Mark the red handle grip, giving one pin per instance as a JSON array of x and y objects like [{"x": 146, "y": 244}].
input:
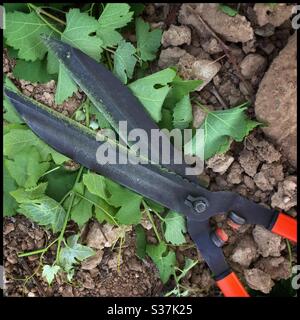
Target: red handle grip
[
  {"x": 232, "y": 287},
  {"x": 286, "y": 227}
]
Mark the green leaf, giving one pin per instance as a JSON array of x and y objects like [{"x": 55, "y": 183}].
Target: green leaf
[
  {"x": 130, "y": 212},
  {"x": 103, "y": 123},
  {"x": 222, "y": 125},
  {"x": 60, "y": 182},
  {"x": 141, "y": 241},
  {"x": 52, "y": 63},
  {"x": 164, "y": 260},
  {"x": 23, "y": 31},
  {"x": 95, "y": 183},
  {"x": 166, "y": 121},
  {"x": 73, "y": 253},
  {"x": 9, "y": 7},
  {"x": 124, "y": 61},
  {"x": 49, "y": 272},
  {"x": 32, "y": 71},
  {"x": 82, "y": 212},
  {"x": 104, "y": 212},
  {"x": 174, "y": 228},
  {"x": 17, "y": 140},
  {"x": 182, "y": 115},
  {"x": 66, "y": 87},
  {"x": 179, "y": 89},
  {"x": 9, "y": 203},
  {"x": 28, "y": 194},
  {"x": 189, "y": 264},
  {"x": 148, "y": 42},
  {"x": 10, "y": 115},
  {"x": 114, "y": 16},
  {"x": 228, "y": 10},
  {"x": 152, "y": 91},
  {"x": 78, "y": 32},
  {"x": 26, "y": 167},
  {"x": 44, "y": 211}
]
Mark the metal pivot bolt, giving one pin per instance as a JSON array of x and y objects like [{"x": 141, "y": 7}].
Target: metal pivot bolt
[{"x": 199, "y": 204}]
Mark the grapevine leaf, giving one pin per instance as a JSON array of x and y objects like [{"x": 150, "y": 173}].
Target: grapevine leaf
[
  {"x": 164, "y": 260},
  {"x": 148, "y": 42},
  {"x": 95, "y": 184},
  {"x": 65, "y": 85},
  {"x": 82, "y": 212},
  {"x": 23, "y": 31},
  {"x": 174, "y": 228},
  {"x": 27, "y": 195},
  {"x": 73, "y": 252},
  {"x": 130, "y": 212},
  {"x": 9, "y": 203},
  {"x": 49, "y": 272},
  {"x": 141, "y": 241},
  {"x": 124, "y": 61},
  {"x": 44, "y": 211},
  {"x": 182, "y": 115},
  {"x": 114, "y": 16},
  {"x": 221, "y": 125},
  {"x": 151, "y": 97}
]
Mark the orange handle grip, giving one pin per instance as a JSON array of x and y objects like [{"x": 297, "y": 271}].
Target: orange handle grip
[
  {"x": 232, "y": 287},
  {"x": 286, "y": 227}
]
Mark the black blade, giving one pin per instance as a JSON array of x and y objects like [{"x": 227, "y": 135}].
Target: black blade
[{"x": 113, "y": 99}]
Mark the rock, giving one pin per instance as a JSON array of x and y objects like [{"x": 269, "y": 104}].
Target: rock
[
  {"x": 93, "y": 261},
  {"x": 252, "y": 65},
  {"x": 115, "y": 261},
  {"x": 245, "y": 252},
  {"x": 286, "y": 196},
  {"x": 258, "y": 280},
  {"x": 249, "y": 46},
  {"x": 8, "y": 228},
  {"x": 276, "y": 101},
  {"x": 265, "y": 31},
  {"x": 170, "y": 57},
  {"x": 249, "y": 183},
  {"x": 212, "y": 46},
  {"x": 269, "y": 244},
  {"x": 220, "y": 163},
  {"x": 266, "y": 151},
  {"x": 235, "y": 174},
  {"x": 274, "y": 14},
  {"x": 268, "y": 176},
  {"x": 233, "y": 29},
  {"x": 176, "y": 36},
  {"x": 277, "y": 268},
  {"x": 249, "y": 162},
  {"x": 191, "y": 68}
]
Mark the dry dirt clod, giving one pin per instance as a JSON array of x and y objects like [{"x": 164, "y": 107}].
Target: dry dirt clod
[
  {"x": 170, "y": 57},
  {"x": 252, "y": 65},
  {"x": 249, "y": 162},
  {"x": 259, "y": 280},
  {"x": 269, "y": 176},
  {"x": 176, "y": 36},
  {"x": 220, "y": 163},
  {"x": 233, "y": 29},
  {"x": 276, "y": 101},
  {"x": 269, "y": 244},
  {"x": 235, "y": 174},
  {"x": 286, "y": 196},
  {"x": 245, "y": 252},
  {"x": 275, "y": 15},
  {"x": 278, "y": 268},
  {"x": 212, "y": 46}
]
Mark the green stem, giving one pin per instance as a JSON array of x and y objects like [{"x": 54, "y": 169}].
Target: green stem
[
  {"x": 47, "y": 172},
  {"x": 65, "y": 196},
  {"x": 31, "y": 253},
  {"x": 96, "y": 205},
  {"x": 39, "y": 10},
  {"x": 151, "y": 220},
  {"x": 202, "y": 107},
  {"x": 87, "y": 113},
  {"x": 109, "y": 60},
  {"x": 61, "y": 235},
  {"x": 36, "y": 9}
]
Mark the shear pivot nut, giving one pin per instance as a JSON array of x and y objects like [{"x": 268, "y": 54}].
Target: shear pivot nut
[{"x": 199, "y": 204}]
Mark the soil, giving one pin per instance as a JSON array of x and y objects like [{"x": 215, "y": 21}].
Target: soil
[{"x": 257, "y": 168}]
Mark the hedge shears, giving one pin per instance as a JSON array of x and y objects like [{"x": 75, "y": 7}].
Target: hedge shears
[{"x": 167, "y": 185}]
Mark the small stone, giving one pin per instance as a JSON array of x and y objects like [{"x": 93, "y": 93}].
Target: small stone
[
  {"x": 249, "y": 162},
  {"x": 269, "y": 244},
  {"x": 245, "y": 252},
  {"x": 170, "y": 57},
  {"x": 93, "y": 261},
  {"x": 268, "y": 176},
  {"x": 235, "y": 174},
  {"x": 252, "y": 64},
  {"x": 258, "y": 280},
  {"x": 277, "y": 268},
  {"x": 8, "y": 228},
  {"x": 265, "y": 31},
  {"x": 286, "y": 196},
  {"x": 205, "y": 70},
  {"x": 212, "y": 46},
  {"x": 249, "y": 182},
  {"x": 176, "y": 36},
  {"x": 220, "y": 163}
]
